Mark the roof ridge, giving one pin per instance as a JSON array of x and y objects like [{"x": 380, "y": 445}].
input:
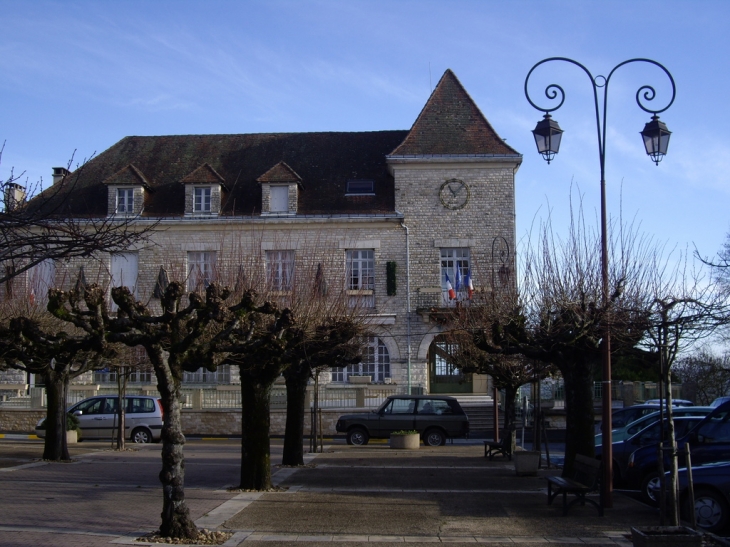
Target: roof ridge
[{"x": 451, "y": 123}]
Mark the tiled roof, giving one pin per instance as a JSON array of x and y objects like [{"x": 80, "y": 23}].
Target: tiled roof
[
  {"x": 326, "y": 161},
  {"x": 281, "y": 172},
  {"x": 204, "y": 174},
  {"x": 452, "y": 124},
  {"x": 128, "y": 175}
]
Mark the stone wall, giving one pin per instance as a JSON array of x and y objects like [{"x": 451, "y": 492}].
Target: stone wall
[{"x": 213, "y": 423}]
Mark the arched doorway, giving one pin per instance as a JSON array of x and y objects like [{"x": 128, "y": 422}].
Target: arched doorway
[{"x": 444, "y": 375}]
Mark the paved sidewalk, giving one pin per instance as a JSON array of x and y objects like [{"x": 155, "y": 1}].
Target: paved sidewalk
[{"x": 370, "y": 494}]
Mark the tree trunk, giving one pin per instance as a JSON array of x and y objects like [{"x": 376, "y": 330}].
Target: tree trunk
[
  {"x": 579, "y": 412},
  {"x": 510, "y": 417},
  {"x": 176, "y": 521},
  {"x": 121, "y": 409},
  {"x": 55, "y": 447},
  {"x": 296, "y": 390},
  {"x": 255, "y": 443}
]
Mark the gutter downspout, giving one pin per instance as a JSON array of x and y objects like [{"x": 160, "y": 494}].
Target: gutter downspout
[{"x": 408, "y": 303}]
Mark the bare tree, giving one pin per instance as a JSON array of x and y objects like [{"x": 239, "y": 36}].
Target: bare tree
[
  {"x": 705, "y": 375},
  {"x": 558, "y": 316},
  {"x": 38, "y": 225},
  {"x": 508, "y": 373},
  {"x": 176, "y": 340},
  {"x": 32, "y": 341},
  {"x": 686, "y": 307}
]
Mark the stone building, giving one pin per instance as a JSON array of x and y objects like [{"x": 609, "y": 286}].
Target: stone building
[{"x": 395, "y": 216}]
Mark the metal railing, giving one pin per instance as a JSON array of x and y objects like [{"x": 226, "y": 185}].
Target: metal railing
[{"x": 228, "y": 397}]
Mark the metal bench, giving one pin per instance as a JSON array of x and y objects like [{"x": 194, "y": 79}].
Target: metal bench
[
  {"x": 584, "y": 479},
  {"x": 501, "y": 448}
]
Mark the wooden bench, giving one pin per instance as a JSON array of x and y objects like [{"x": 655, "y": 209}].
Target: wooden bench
[
  {"x": 584, "y": 479},
  {"x": 501, "y": 448}
]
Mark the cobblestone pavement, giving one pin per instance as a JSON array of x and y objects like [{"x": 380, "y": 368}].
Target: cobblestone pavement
[{"x": 370, "y": 494}]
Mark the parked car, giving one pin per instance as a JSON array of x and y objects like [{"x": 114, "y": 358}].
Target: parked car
[
  {"x": 435, "y": 417},
  {"x": 711, "y": 494},
  {"x": 675, "y": 402},
  {"x": 648, "y": 435},
  {"x": 717, "y": 402},
  {"x": 98, "y": 418},
  {"x": 624, "y": 416},
  {"x": 709, "y": 442},
  {"x": 631, "y": 429}
]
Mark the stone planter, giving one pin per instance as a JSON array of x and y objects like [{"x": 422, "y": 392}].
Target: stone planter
[
  {"x": 526, "y": 462},
  {"x": 406, "y": 442},
  {"x": 665, "y": 536},
  {"x": 72, "y": 437},
  {"x": 360, "y": 379}
]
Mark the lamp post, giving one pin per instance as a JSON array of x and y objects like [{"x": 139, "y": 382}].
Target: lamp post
[{"x": 655, "y": 135}]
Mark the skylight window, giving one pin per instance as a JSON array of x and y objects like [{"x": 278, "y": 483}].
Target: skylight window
[{"x": 360, "y": 187}]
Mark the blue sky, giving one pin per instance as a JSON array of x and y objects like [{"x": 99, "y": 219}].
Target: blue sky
[{"x": 82, "y": 75}]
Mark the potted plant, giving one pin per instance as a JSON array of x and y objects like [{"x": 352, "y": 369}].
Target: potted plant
[
  {"x": 526, "y": 462},
  {"x": 406, "y": 440},
  {"x": 73, "y": 428}
]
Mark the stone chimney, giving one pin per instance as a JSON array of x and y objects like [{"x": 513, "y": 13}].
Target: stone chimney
[
  {"x": 59, "y": 173},
  {"x": 14, "y": 195}
]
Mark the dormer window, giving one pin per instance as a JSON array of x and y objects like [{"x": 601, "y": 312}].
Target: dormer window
[
  {"x": 204, "y": 192},
  {"x": 125, "y": 201},
  {"x": 126, "y": 191},
  {"x": 280, "y": 188},
  {"x": 360, "y": 187},
  {"x": 201, "y": 203}
]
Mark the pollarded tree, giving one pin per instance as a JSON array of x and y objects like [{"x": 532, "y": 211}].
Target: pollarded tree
[
  {"x": 255, "y": 340},
  {"x": 34, "y": 342},
  {"x": 508, "y": 373},
  {"x": 322, "y": 342},
  {"x": 176, "y": 340},
  {"x": 558, "y": 316}
]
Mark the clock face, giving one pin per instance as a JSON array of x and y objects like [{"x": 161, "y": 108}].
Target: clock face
[{"x": 454, "y": 194}]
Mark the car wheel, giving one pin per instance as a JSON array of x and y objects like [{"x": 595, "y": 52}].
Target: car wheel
[
  {"x": 651, "y": 479},
  {"x": 357, "y": 436},
  {"x": 141, "y": 436},
  {"x": 711, "y": 510},
  {"x": 434, "y": 437}
]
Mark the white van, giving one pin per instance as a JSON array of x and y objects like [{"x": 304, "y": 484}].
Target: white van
[{"x": 98, "y": 418}]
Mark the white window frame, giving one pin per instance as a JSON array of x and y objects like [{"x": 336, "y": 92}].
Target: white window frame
[
  {"x": 451, "y": 259},
  {"x": 360, "y": 272},
  {"x": 280, "y": 270},
  {"x": 124, "y": 265},
  {"x": 201, "y": 269},
  {"x": 125, "y": 201},
  {"x": 202, "y": 199},
  {"x": 375, "y": 363}
]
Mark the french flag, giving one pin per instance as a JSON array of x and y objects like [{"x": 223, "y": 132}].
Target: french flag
[
  {"x": 452, "y": 292},
  {"x": 459, "y": 281},
  {"x": 469, "y": 284}
]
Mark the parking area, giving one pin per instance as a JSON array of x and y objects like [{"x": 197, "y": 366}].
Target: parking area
[{"x": 369, "y": 494}]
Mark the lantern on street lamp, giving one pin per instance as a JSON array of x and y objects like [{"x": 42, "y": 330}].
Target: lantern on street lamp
[
  {"x": 547, "y": 134},
  {"x": 656, "y": 139}
]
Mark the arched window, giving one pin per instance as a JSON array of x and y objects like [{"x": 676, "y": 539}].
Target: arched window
[{"x": 375, "y": 363}]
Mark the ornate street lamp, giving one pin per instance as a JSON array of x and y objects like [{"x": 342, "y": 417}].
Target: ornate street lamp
[{"x": 656, "y": 140}]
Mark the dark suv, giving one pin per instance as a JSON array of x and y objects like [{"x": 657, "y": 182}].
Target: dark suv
[{"x": 435, "y": 417}]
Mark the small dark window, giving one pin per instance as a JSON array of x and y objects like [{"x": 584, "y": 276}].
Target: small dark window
[{"x": 360, "y": 187}]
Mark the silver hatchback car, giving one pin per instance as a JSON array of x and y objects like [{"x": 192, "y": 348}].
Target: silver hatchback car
[{"x": 98, "y": 418}]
